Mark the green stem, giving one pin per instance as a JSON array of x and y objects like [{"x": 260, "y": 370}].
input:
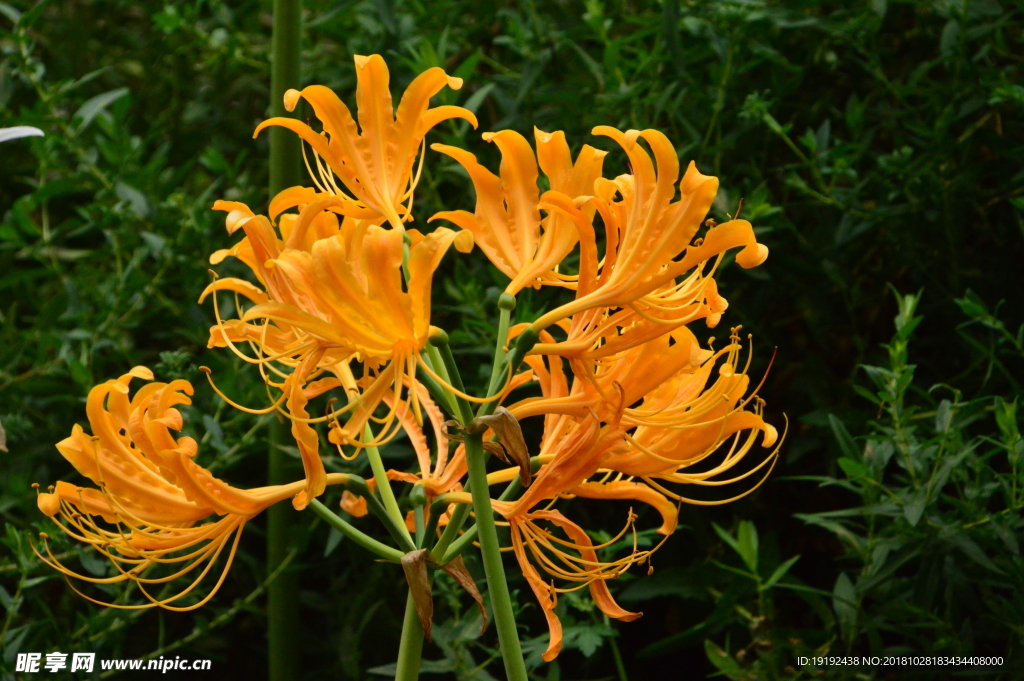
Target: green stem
[
  {"x": 501, "y": 602},
  {"x": 620, "y": 668},
  {"x": 524, "y": 343},
  {"x": 451, "y": 531},
  {"x": 285, "y": 153},
  {"x": 411, "y": 647},
  {"x": 283, "y": 630},
  {"x": 418, "y": 498},
  {"x": 283, "y": 621},
  {"x": 367, "y": 542},
  {"x": 387, "y": 495},
  {"x": 441, "y": 356},
  {"x": 506, "y": 303},
  {"x": 460, "y": 544},
  {"x": 443, "y": 398}
]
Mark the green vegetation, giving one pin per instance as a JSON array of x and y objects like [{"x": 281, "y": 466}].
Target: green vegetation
[{"x": 873, "y": 144}]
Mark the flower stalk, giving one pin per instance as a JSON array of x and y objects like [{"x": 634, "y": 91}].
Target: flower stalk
[
  {"x": 367, "y": 542},
  {"x": 410, "y": 648},
  {"x": 490, "y": 550}
]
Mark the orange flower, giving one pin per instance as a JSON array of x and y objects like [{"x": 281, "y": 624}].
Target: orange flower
[
  {"x": 682, "y": 415},
  {"x": 597, "y": 446},
  {"x": 507, "y": 223},
  {"x": 334, "y": 296},
  {"x": 574, "y": 560},
  {"x": 375, "y": 161},
  {"x": 645, "y": 231},
  {"x": 151, "y": 489},
  {"x": 442, "y": 474}
]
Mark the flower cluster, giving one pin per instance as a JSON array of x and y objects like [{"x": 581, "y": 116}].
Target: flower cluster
[{"x": 633, "y": 405}]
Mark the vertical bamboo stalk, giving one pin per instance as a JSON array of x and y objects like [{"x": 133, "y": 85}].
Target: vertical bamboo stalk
[
  {"x": 285, "y": 171},
  {"x": 285, "y": 152}
]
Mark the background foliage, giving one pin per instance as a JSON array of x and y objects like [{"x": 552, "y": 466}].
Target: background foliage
[{"x": 873, "y": 143}]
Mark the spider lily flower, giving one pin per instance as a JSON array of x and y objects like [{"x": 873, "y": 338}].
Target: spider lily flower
[
  {"x": 681, "y": 418},
  {"x": 507, "y": 223},
  {"x": 330, "y": 300},
  {"x": 685, "y": 420},
  {"x": 152, "y": 491},
  {"x": 438, "y": 474},
  {"x": 443, "y": 474},
  {"x": 599, "y": 333},
  {"x": 575, "y": 560},
  {"x": 645, "y": 231},
  {"x": 596, "y": 447},
  {"x": 375, "y": 161},
  {"x": 600, "y": 383}
]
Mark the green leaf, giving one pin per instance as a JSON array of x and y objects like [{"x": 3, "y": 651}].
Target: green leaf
[
  {"x": 943, "y": 416},
  {"x": 855, "y": 470},
  {"x": 140, "y": 206},
  {"x": 333, "y": 540},
  {"x": 780, "y": 572},
  {"x": 88, "y": 111},
  {"x": 914, "y": 507},
  {"x": 747, "y": 544},
  {"x": 844, "y": 602},
  {"x": 1007, "y": 537},
  {"x": 10, "y": 12},
  {"x": 673, "y": 581},
  {"x": 835, "y": 527},
  {"x": 93, "y": 563},
  {"x": 846, "y": 444},
  {"x": 726, "y": 537},
  {"x": 586, "y": 638},
  {"x": 974, "y": 552},
  {"x": 426, "y": 667},
  {"x": 867, "y": 394},
  {"x": 950, "y": 37},
  {"x": 80, "y": 374},
  {"x": 723, "y": 661},
  {"x": 30, "y": 17}
]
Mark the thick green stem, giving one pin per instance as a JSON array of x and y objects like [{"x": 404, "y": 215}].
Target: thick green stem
[
  {"x": 501, "y": 602},
  {"x": 411, "y": 647},
  {"x": 283, "y": 629},
  {"x": 283, "y": 621},
  {"x": 366, "y": 541},
  {"x": 285, "y": 150},
  {"x": 460, "y": 544}
]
